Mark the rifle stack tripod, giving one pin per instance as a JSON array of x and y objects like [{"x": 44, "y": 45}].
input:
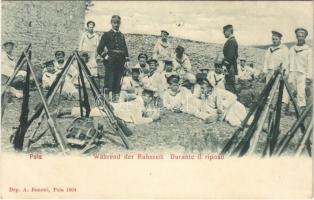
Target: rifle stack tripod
[
  {"x": 266, "y": 110},
  {"x": 25, "y": 121}
]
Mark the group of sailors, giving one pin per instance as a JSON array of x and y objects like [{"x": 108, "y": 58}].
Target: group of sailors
[{"x": 167, "y": 79}]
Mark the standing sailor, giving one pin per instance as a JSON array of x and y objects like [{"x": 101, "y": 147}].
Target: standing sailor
[
  {"x": 89, "y": 42},
  {"x": 230, "y": 52},
  {"x": 301, "y": 65},
  {"x": 163, "y": 50},
  {"x": 117, "y": 58},
  {"x": 276, "y": 56}
]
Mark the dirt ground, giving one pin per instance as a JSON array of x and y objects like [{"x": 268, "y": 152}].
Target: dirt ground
[{"x": 174, "y": 132}]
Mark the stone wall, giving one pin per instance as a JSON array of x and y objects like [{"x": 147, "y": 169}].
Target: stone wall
[{"x": 47, "y": 25}]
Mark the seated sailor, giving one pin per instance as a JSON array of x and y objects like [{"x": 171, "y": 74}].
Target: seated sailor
[
  {"x": 245, "y": 72},
  {"x": 142, "y": 64},
  {"x": 8, "y": 62},
  {"x": 189, "y": 82},
  {"x": 228, "y": 108},
  {"x": 177, "y": 98},
  {"x": 217, "y": 77},
  {"x": 154, "y": 79},
  {"x": 49, "y": 74},
  {"x": 197, "y": 87},
  {"x": 59, "y": 60},
  {"x": 131, "y": 85},
  {"x": 182, "y": 63}
]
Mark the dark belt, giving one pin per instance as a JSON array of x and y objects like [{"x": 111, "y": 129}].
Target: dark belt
[{"x": 116, "y": 51}]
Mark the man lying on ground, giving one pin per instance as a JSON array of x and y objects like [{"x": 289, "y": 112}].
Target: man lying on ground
[
  {"x": 139, "y": 111},
  {"x": 228, "y": 108}
]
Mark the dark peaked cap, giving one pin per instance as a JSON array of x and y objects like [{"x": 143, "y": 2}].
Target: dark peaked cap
[
  {"x": 301, "y": 29},
  {"x": 164, "y": 31},
  {"x": 148, "y": 91},
  {"x": 276, "y": 33},
  {"x": 142, "y": 55},
  {"x": 152, "y": 60},
  {"x": 229, "y": 26},
  {"x": 173, "y": 78},
  {"x": 90, "y": 22},
  {"x": 115, "y": 17},
  {"x": 49, "y": 63},
  {"x": 59, "y": 52},
  {"x": 8, "y": 43}
]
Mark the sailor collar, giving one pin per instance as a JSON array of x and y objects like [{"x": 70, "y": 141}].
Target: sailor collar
[
  {"x": 90, "y": 36},
  {"x": 182, "y": 60},
  {"x": 298, "y": 49},
  {"x": 10, "y": 57},
  {"x": 164, "y": 44},
  {"x": 273, "y": 49}
]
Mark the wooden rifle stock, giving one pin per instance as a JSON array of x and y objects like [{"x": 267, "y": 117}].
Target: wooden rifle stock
[
  {"x": 102, "y": 102},
  {"x": 56, "y": 133},
  {"x": 253, "y": 108}
]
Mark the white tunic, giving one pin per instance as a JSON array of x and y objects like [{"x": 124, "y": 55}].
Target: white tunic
[
  {"x": 154, "y": 82},
  {"x": 245, "y": 73},
  {"x": 89, "y": 42},
  {"x": 132, "y": 111},
  {"x": 216, "y": 80},
  {"x": 162, "y": 50},
  {"x": 131, "y": 86},
  {"x": 7, "y": 64},
  {"x": 275, "y": 56},
  {"x": 301, "y": 60},
  {"x": 182, "y": 65},
  {"x": 233, "y": 111},
  {"x": 182, "y": 101}
]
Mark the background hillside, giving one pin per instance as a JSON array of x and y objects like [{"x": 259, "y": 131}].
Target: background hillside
[{"x": 200, "y": 53}]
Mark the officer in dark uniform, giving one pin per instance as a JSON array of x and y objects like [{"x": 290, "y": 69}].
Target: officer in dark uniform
[
  {"x": 112, "y": 47},
  {"x": 230, "y": 51}
]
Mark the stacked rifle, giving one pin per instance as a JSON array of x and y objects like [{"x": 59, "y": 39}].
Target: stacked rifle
[
  {"x": 267, "y": 111},
  {"x": 42, "y": 110}
]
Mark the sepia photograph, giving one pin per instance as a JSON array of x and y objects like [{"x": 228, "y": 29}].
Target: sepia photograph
[{"x": 157, "y": 80}]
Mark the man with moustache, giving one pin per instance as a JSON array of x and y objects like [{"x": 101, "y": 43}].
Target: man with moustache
[
  {"x": 112, "y": 47},
  {"x": 300, "y": 70},
  {"x": 230, "y": 52}
]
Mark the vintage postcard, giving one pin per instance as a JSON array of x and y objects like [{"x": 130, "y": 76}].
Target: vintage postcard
[{"x": 156, "y": 99}]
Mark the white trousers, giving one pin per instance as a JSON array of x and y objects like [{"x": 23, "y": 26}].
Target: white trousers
[{"x": 297, "y": 81}]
